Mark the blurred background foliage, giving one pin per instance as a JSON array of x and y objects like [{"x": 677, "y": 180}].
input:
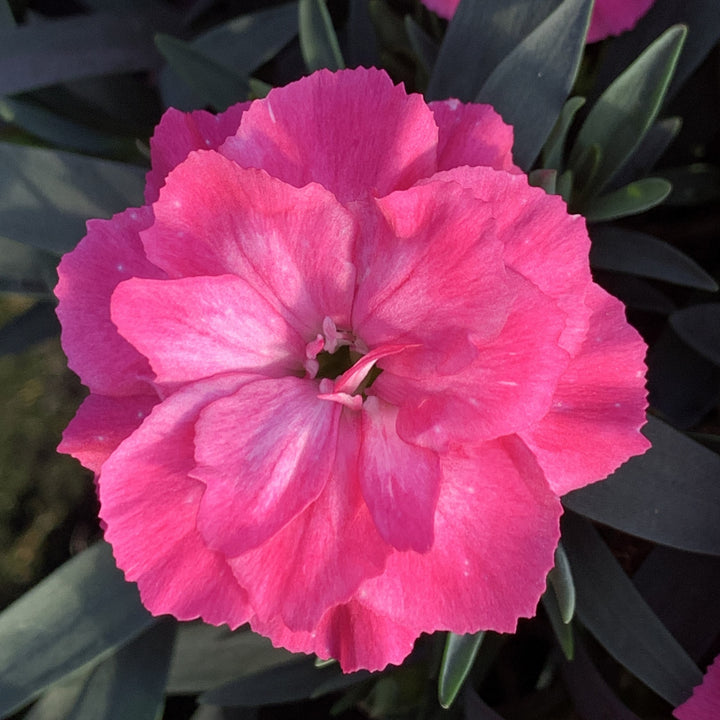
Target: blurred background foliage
[{"x": 632, "y": 613}]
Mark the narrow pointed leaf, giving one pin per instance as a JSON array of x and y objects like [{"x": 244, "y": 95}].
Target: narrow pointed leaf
[
  {"x": 289, "y": 682},
  {"x": 623, "y": 114},
  {"x": 554, "y": 149},
  {"x": 563, "y": 631},
  {"x": 616, "y": 614},
  {"x": 216, "y": 84},
  {"x": 59, "y": 699},
  {"x": 80, "y": 613},
  {"x": 361, "y": 42},
  {"x": 7, "y": 19},
  {"x": 699, "y": 327},
  {"x": 457, "y": 661},
  {"x": 560, "y": 578},
  {"x": 424, "y": 46},
  {"x": 47, "y": 195},
  {"x": 79, "y": 46},
  {"x": 479, "y": 36},
  {"x": 318, "y": 42},
  {"x": 25, "y": 269},
  {"x": 637, "y": 253},
  {"x": 538, "y": 73},
  {"x": 206, "y": 657},
  {"x": 632, "y": 199},
  {"x": 670, "y": 495},
  {"x": 131, "y": 682}
]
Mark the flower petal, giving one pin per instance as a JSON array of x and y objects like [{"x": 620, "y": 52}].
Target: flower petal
[
  {"x": 101, "y": 424},
  {"x": 599, "y": 405},
  {"x": 472, "y": 134},
  {"x": 400, "y": 482},
  {"x": 292, "y": 245},
  {"x": 542, "y": 242},
  {"x": 264, "y": 454},
  {"x": 179, "y": 133},
  {"x": 431, "y": 272},
  {"x": 356, "y": 636},
  {"x": 110, "y": 253},
  {"x": 612, "y": 17},
  {"x": 704, "y": 704},
  {"x": 496, "y": 529},
  {"x": 358, "y": 135},
  {"x": 320, "y": 557},
  {"x": 194, "y": 328},
  {"x": 150, "y": 503},
  {"x": 509, "y": 385}
]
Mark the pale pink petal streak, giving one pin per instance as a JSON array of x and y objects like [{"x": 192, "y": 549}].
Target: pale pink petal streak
[
  {"x": 264, "y": 454},
  {"x": 194, "y": 328}
]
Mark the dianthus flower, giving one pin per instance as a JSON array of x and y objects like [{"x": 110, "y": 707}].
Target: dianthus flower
[
  {"x": 704, "y": 703},
  {"x": 609, "y": 17},
  {"x": 341, "y": 366}
]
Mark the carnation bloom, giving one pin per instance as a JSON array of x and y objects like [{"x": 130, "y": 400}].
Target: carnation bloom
[
  {"x": 342, "y": 365},
  {"x": 704, "y": 704},
  {"x": 609, "y": 17}
]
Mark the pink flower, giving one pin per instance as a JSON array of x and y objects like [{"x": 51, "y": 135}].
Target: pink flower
[
  {"x": 609, "y": 17},
  {"x": 341, "y": 366},
  {"x": 704, "y": 704}
]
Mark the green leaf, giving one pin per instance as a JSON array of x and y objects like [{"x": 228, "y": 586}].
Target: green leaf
[
  {"x": 624, "y": 113},
  {"x": 206, "y": 657},
  {"x": 58, "y": 700},
  {"x": 545, "y": 179},
  {"x": 288, "y": 682},
  {"x": 457, "y": 661},
  {"x": 670, "y": 495},
  {"x": 79, "y": 46},
  {"x": 318, "y": 41},
  {"x": 538, "y": 73},
  {"x": 479, "y": 36},
  {"x": 7, "y": 19},
  {"x": 632, "y": 199},
  {"x": 47, "y": 195},
  {"x": 553, "y": 153},
  {"x": 699, "y": 327},
  {"x": 240, "y": 45},
  {"x": 62, "y": 132},
  {"x": 616, "y": 614},
  {"x": 25, "y": 269},
  {"x": 639, "y": 294},
  {"x": 131, "y": 682},
  {"x": 33, "y": 326},
  {"x": 214, "y": 83},
  {"x": 79, "y": 614},
  {"x": 629, "y": 251},
  {"x": 425, "y": 48},
  {"x": 563, "y": 631},
  {"x": 561, "y": 581}
]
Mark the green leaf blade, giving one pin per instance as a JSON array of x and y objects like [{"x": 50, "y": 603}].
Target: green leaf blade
[
  {"x": 633, "y": 199},
  {"x": 318, "y": 42},
  {"x": 457, "y": 661}
]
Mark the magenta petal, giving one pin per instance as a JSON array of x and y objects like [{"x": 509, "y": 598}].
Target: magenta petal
[
  {"x": 110, "y": 253},
  {"x": 704, "y": 704},
  {"x": 358, "y": 135},
  {"x": 194, "y": 328},
  {"x": 400, "y": 482},
  {"x": 320, "y": 557},
  {"x": 542, "y": 242},
  {"x": 264, "y": 454},
  {"x": 151, "y": 521},
  {"x": 496, "y": 529},
  {"x": 612, "y": 17},
  {"x": 431, "y": 272},
  {"x": 599, "y": 405},
  {"x": 179, "y": 133},
  {"x": 101, "y": 424},
  {"x": 472, "y": 134},
  {"x": 509, "y": 385},
  {"x": 358, "y": 637},
  {"x": 292, "y": 245},
  {"x": 444, "y": 8}
]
